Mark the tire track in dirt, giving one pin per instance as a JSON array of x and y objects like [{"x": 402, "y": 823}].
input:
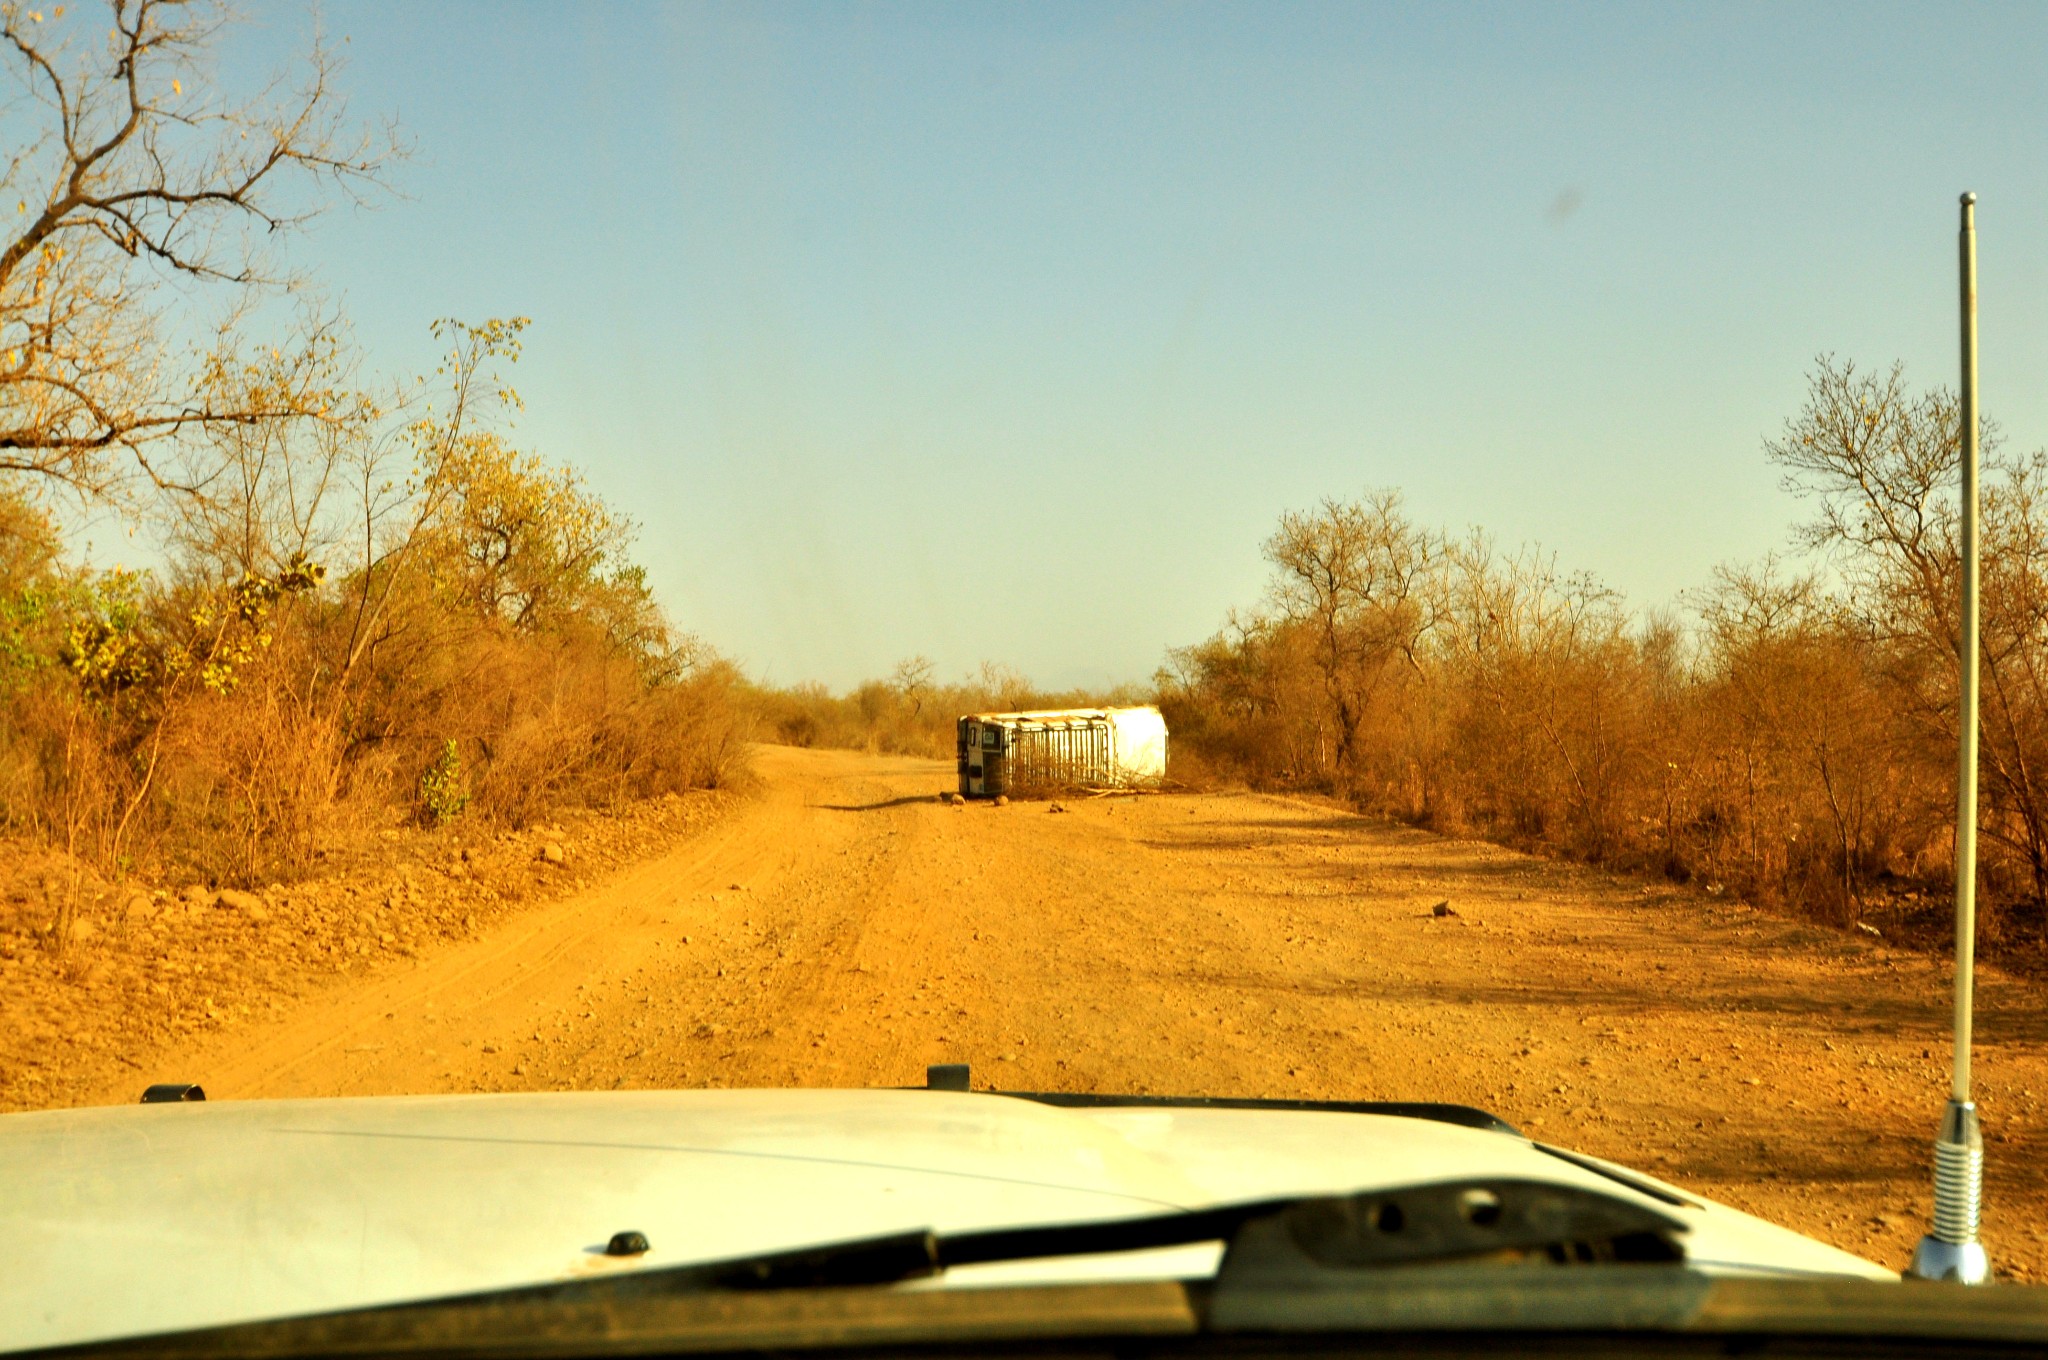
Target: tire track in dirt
[{"x": 1219, "y": 945}]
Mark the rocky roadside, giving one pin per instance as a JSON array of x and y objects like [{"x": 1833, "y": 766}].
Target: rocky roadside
[{"x": 96, "y": 977}]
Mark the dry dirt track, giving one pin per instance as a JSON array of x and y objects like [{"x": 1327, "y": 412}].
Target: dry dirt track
[{"x": 846, "y": 929}]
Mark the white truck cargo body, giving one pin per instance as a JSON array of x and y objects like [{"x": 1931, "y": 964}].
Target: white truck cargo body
[{"x": 1008, "y": 753}]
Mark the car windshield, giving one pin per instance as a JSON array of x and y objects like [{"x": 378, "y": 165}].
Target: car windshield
[{"x": 646, "y": 635}]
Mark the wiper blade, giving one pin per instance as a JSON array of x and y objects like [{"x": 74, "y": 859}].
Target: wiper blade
[
  {"x": 1432, "y": 1222},
  {"x": 1435, "y": 1111},
  {"x": 1316, "y": 1241},
  {"x": 1436, "y": 1221},
  {"x": 901, "y": 1257}
]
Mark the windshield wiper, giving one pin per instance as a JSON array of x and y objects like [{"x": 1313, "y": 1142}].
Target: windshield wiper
[
  {"x": 1432, "y": 1222},
  {"x": 1306, "y": 1243},
  {"x": 1294, "y": 1237}
]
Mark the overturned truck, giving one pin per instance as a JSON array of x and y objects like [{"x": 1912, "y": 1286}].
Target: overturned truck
[{"x": 1064, "y": 748}]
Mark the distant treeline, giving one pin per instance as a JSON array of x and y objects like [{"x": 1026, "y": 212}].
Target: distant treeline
[
  {"x": 911, "y": 712},
  {"x": 1788, "y": 734}
]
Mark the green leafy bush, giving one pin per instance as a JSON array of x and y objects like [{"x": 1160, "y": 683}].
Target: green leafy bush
[{"x": 443, "y": 794}]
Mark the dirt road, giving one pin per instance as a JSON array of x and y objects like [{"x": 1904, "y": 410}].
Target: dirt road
[{"x": 846, "y": 929}]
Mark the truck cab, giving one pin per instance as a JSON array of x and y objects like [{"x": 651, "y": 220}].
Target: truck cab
[{"x": 981, "y": 748}]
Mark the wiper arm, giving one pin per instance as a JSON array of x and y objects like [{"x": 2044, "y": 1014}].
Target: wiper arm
[{"x": 915, "y": 1255}]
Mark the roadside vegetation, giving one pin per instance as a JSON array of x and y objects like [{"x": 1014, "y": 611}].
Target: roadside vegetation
[
  {"x": 1788, "y": 734},
  {"x": 363, "y": 605},
  {"x": 1784, "y": 734}
]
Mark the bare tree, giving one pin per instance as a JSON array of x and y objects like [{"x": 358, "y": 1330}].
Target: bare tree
[
  {"x": 912, "y": 679},
  {"x": 1879, "y": 462},
  {"x": 1542, "y": 672},
  {"x": 134, "y": 188},
  {"x": 1004, "y": 686},
  {"x": 1807, "y": 728},
  {"x": 1354, "y": 573},
  {"x": 269, "y": 493}
]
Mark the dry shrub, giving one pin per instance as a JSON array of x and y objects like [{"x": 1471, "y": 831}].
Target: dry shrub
[
  {"x": 67, "y": 780},
  {"x": 1532, "y": 709},
  {"x": 567, "y": 723},
  {"x": 226, "y": 714},
  {"x": 692, "y": 734},
  {"x": 242, "y": 784},
  {"x": 1189, "y": 770},
  {"x": 245, "y": 786},
  {"x": 1793, "y": 741}
]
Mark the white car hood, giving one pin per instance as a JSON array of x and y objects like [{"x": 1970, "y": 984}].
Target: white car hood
[{"x": 156, "y": 1218}]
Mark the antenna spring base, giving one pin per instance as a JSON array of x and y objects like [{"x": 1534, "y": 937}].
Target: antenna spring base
[{"x": 1952, "y": 1251}]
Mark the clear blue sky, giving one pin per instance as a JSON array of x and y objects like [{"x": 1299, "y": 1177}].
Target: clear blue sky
[{"x": 1007, "y": 331}]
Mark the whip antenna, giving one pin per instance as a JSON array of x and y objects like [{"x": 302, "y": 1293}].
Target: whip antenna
[{"x": 1952, "y": 1251}]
